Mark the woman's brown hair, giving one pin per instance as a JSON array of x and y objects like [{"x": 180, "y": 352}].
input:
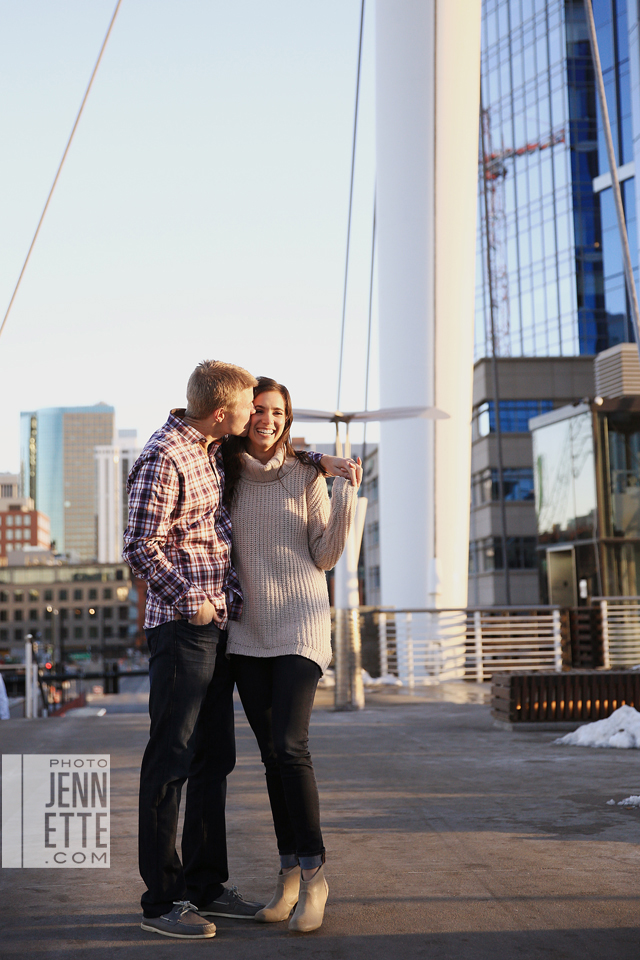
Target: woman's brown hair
[{"x": 234, "y": 447}]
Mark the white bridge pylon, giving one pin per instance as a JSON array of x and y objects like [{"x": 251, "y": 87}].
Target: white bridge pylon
[{"x": 427, "y": 124}]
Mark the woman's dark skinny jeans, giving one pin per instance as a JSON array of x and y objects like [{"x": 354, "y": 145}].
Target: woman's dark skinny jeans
[{"x": 277, "y": 695}]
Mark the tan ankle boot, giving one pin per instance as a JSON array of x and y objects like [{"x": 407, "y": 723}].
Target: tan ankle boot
[
  {"x": 283, "y": 900},
  {"x": 310, "y": 910}
]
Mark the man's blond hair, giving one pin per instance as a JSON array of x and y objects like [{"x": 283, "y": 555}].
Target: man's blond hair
[{"x": 214, "y": 385}]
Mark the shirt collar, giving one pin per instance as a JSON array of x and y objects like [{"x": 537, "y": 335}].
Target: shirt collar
[{"x": 190, "y": 433}]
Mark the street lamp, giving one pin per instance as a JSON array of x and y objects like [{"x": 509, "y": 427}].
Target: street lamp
[{"x": 60, "y": 659}]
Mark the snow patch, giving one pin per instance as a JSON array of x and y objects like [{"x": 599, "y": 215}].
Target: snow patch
[
  {"x": 387, "y": 681},
  {"x": 621, "y": 730}
]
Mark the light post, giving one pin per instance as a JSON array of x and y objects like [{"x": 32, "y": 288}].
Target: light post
[{"x": 57, "y": 647}]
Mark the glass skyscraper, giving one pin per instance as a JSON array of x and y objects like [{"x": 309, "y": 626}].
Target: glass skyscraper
[
  {"x": 58, "y": 471},
  {"x": 554, "y": 248},
  {"x": 548, "y": 241}
]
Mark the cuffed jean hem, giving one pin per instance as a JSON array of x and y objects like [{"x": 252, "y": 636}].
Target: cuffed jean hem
[
  {"x": 288, "y": 860},
  {"x": 310, "y": 863}
]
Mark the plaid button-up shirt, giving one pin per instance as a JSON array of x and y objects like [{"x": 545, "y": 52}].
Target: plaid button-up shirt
[{"x": 179, "y": 534}]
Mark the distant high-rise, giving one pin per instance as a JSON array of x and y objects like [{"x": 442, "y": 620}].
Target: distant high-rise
[
  {"x": 113, "y": 465},
  {"x": 58, "y": 472}
]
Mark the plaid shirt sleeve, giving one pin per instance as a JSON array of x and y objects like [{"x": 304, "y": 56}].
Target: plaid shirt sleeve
[{"x": 153, "y": 494}]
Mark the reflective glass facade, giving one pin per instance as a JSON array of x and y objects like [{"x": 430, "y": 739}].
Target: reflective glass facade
[
  {"x": 58, "y": 470},
  {"x": 587, "y": 488},
  {"x": 565, "y": 480},
  {"x": 554, "y": 249}
]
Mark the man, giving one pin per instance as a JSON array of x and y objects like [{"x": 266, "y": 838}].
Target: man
[{"x": 179, "y": 541}]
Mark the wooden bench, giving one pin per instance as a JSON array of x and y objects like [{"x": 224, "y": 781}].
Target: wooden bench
[{"x": 574, "y": 695}]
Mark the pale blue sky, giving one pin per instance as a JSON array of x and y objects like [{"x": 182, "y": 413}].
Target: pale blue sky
[{"x": 201, "y": 212}]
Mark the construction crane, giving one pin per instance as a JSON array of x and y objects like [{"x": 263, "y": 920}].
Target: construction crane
[{"x": 495, "y": 172}]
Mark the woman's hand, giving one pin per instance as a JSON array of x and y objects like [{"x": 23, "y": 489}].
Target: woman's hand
[{"x": 340, "y": 467}]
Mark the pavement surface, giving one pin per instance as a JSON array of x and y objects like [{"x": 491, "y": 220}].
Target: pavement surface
[{"x": 446, "y": 838}]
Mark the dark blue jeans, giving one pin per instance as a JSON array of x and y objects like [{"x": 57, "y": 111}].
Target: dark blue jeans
[
  {"x": 277, "y": 694},
  {"x": 191, "y": 737}
]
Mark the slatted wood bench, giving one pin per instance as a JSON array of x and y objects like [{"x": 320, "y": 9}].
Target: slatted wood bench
[{"x": 574, "y": 695}]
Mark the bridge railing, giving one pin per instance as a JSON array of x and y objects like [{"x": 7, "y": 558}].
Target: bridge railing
[{"x": 420, "y": 646}]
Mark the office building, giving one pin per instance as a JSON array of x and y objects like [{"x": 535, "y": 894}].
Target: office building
[
  {"x": 549, "y": 258},
  {"x": 74, "y": 609},
  {"x": 587, "y": 487},
  {"x": 21, "y": 527},
  {"x": 57, "y": 467},
  {"x": 113, "y": 465},
  {"x": 9, "y": 485}
]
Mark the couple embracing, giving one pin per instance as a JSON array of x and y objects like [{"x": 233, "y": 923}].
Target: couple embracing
[{"x": 232, "y": 530}]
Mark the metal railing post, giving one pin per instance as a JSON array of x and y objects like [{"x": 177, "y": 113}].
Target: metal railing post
[
  {"x": 28, "y": 683},
  {"x": 604, "y": 611},
  {"x": 382, "y": 644},
  {"x": 477, "y": 633},
  {"x": 341, "y": 700}
]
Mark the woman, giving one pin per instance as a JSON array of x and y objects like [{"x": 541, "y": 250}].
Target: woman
[{"x": 286, "y": 531}]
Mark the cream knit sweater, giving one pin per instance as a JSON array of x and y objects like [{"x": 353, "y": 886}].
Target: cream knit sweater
[{"x": 286, "y": 531}]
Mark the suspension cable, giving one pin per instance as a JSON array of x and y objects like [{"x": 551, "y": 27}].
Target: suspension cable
[
  {"x": 366, "y": 376},
  {"x": 353, "y": 161},
  {"x": 64, "y": 157}
]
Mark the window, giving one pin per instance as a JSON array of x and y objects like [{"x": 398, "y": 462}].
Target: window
[
  {"x": 64, "y": 613},
  {"x": 107, "y": 593},
  {"x": 108, "y": 632},
  {"x": 17, "y": 596},
  {"x": 77, "y": 594},
  {"x": 93, "y": 633},
  {"x": 9, "y": 534},
  {"x": 33, "y": 614},
  {"x": 27, "y": 521},
  {"x": 123, "y": 613},
  {"x": 486, "y": 555},
  {"x": 34, "y": 594},
  {"x": 77, "y": 613},
  {"x": 123, "y": 632},
  {"x": 107, "y": 613},
  {"x": 62, "y": 594},
  {"x": 372, "y": 489},
  {"x": 514, "y": 416},
  {"x": 93, "y": 594},
  {"x": 374, "y": 532},
  {"x": 17, "y": 634},
  {"x": 9, "y": 521},
  {"x": 77, "y": 633},
  {"x": 18, "y": 521},
  {"x": 4, "y": 633},
  {"x": 4, "y": 596},
  {"x": 48, "y": 594},
  {"x": 518, "y": 485},
  {"x": 17, "y": 614},
  {"x": 4, "y": 615}
]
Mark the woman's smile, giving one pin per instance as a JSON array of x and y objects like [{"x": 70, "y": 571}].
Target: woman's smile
[{"x": 267, "y": 424}]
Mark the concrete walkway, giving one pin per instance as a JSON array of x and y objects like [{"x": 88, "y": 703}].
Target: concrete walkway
[{"x": 446, "y": 838}]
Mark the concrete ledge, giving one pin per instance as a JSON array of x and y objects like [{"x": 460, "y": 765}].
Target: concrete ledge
[{"x": 544, "y": 726}]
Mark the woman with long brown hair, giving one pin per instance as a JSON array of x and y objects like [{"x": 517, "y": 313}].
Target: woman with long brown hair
[{"x": 286, "y": 532}]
